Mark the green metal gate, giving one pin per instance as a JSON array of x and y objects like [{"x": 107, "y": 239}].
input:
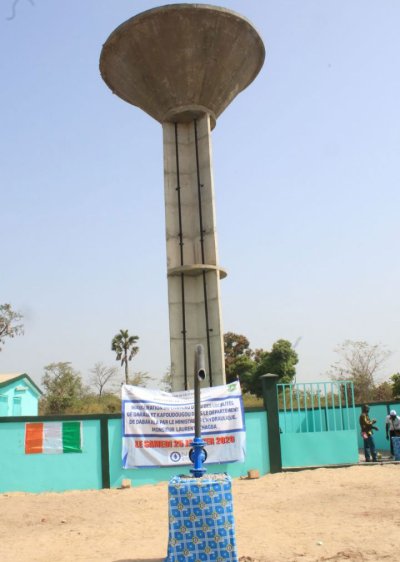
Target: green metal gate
[{"x": 317, "y": 423}]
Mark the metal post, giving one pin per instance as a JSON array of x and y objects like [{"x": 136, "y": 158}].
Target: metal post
[
  {"x": 197, "y": 453},
  {"x": 271, "y": 405}
]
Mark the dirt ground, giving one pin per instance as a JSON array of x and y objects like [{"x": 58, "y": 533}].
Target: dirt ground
[{"x": 343, "y": 514}]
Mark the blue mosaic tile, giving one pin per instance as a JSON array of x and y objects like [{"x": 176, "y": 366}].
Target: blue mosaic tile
[{"x": 201, "y": 522}]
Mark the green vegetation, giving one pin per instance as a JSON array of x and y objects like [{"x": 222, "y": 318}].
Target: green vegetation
[
  {"x": 252, "y": 401},
  {"x": 140, "y": 378},
  {"x": 9, "y": 323},
  {"x": 63, "y": 389},
  {"x": 242, "y": 363},
  {"x": 66, "y": 393},
  {"x": 166, "y": 381},
  {"x": 360, "y": 363},
  {"x": 395, "y": 385},
  {"x": 125, "y": 348},
  {"x": 102, "y": 376}
]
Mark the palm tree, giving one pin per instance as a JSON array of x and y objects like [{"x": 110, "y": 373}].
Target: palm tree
[{"x": 124, "y": 346}]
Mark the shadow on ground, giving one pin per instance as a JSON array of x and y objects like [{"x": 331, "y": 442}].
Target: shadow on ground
[{"x": 140, "y": 560}]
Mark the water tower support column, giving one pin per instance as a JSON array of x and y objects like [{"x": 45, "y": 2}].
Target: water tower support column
[{"x": 192, "y": 255}]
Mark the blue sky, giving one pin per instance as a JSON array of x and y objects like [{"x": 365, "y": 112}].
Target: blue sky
[{"x": 306, "y": 169}]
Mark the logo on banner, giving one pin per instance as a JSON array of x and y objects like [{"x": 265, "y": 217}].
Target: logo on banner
[
  {"x": 158, "y": 427},
  {"x": 175, "y": 456}
]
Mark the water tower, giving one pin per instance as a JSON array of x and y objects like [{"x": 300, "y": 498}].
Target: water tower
[{"x": 183, "y": 64}]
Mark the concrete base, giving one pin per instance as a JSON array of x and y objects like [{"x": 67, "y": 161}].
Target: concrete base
[{"x": 201, "y": 521}]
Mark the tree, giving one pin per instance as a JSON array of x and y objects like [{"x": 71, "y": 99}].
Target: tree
[
  {"x": 241, "y": 369},
  {"x": 63, "y": 388},
  {"x": 395, "y": 385},
  {"x": 140, "y": 378},
  {"x": 166, "y": 381},
  {"x": 281, "y": 361},
  {"x": 102, "y": 376},
  {"x": 9, "y": 327},
  {"x": 125, "y": 347},
  {"x": 235, "y": 345},
  {"x": 382, "y": 392},
  {"x": 359, "y": 362},
  {"x": 239, "y": 363}
]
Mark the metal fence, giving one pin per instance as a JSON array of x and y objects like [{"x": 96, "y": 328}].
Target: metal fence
[{"x": 316, "y": 407}]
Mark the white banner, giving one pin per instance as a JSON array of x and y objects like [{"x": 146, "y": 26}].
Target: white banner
[{"x": 158, "y": 427}]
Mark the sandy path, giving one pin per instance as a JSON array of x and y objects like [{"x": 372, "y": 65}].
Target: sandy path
[{"x": 354, "y": 512}]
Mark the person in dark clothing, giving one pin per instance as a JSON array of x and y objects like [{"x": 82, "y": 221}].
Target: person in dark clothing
[{"x": 367, "y": 427}]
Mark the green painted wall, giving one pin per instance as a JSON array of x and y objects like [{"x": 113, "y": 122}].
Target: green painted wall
[
  {"x": 38, "y": 473},
  {"x": 50, "y": 473},
  {"x": 320, "y": 448},
  {"x": 81, "y": 471},
  {"x": 257, "y": 456}
]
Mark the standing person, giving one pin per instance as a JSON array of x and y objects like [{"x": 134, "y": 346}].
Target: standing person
[
  {"x": 367, "y": 426},
  {"x": 392, "y": 428}
]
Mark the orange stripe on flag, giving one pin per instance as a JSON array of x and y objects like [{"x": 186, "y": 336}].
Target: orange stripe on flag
[{"x": 33, "y": 438}]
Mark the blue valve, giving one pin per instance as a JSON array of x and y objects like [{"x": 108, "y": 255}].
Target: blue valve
[{"x": 198, "y": 455}]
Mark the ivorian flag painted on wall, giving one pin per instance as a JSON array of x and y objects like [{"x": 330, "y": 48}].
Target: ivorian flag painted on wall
[{"x": 53, "y": 437}]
